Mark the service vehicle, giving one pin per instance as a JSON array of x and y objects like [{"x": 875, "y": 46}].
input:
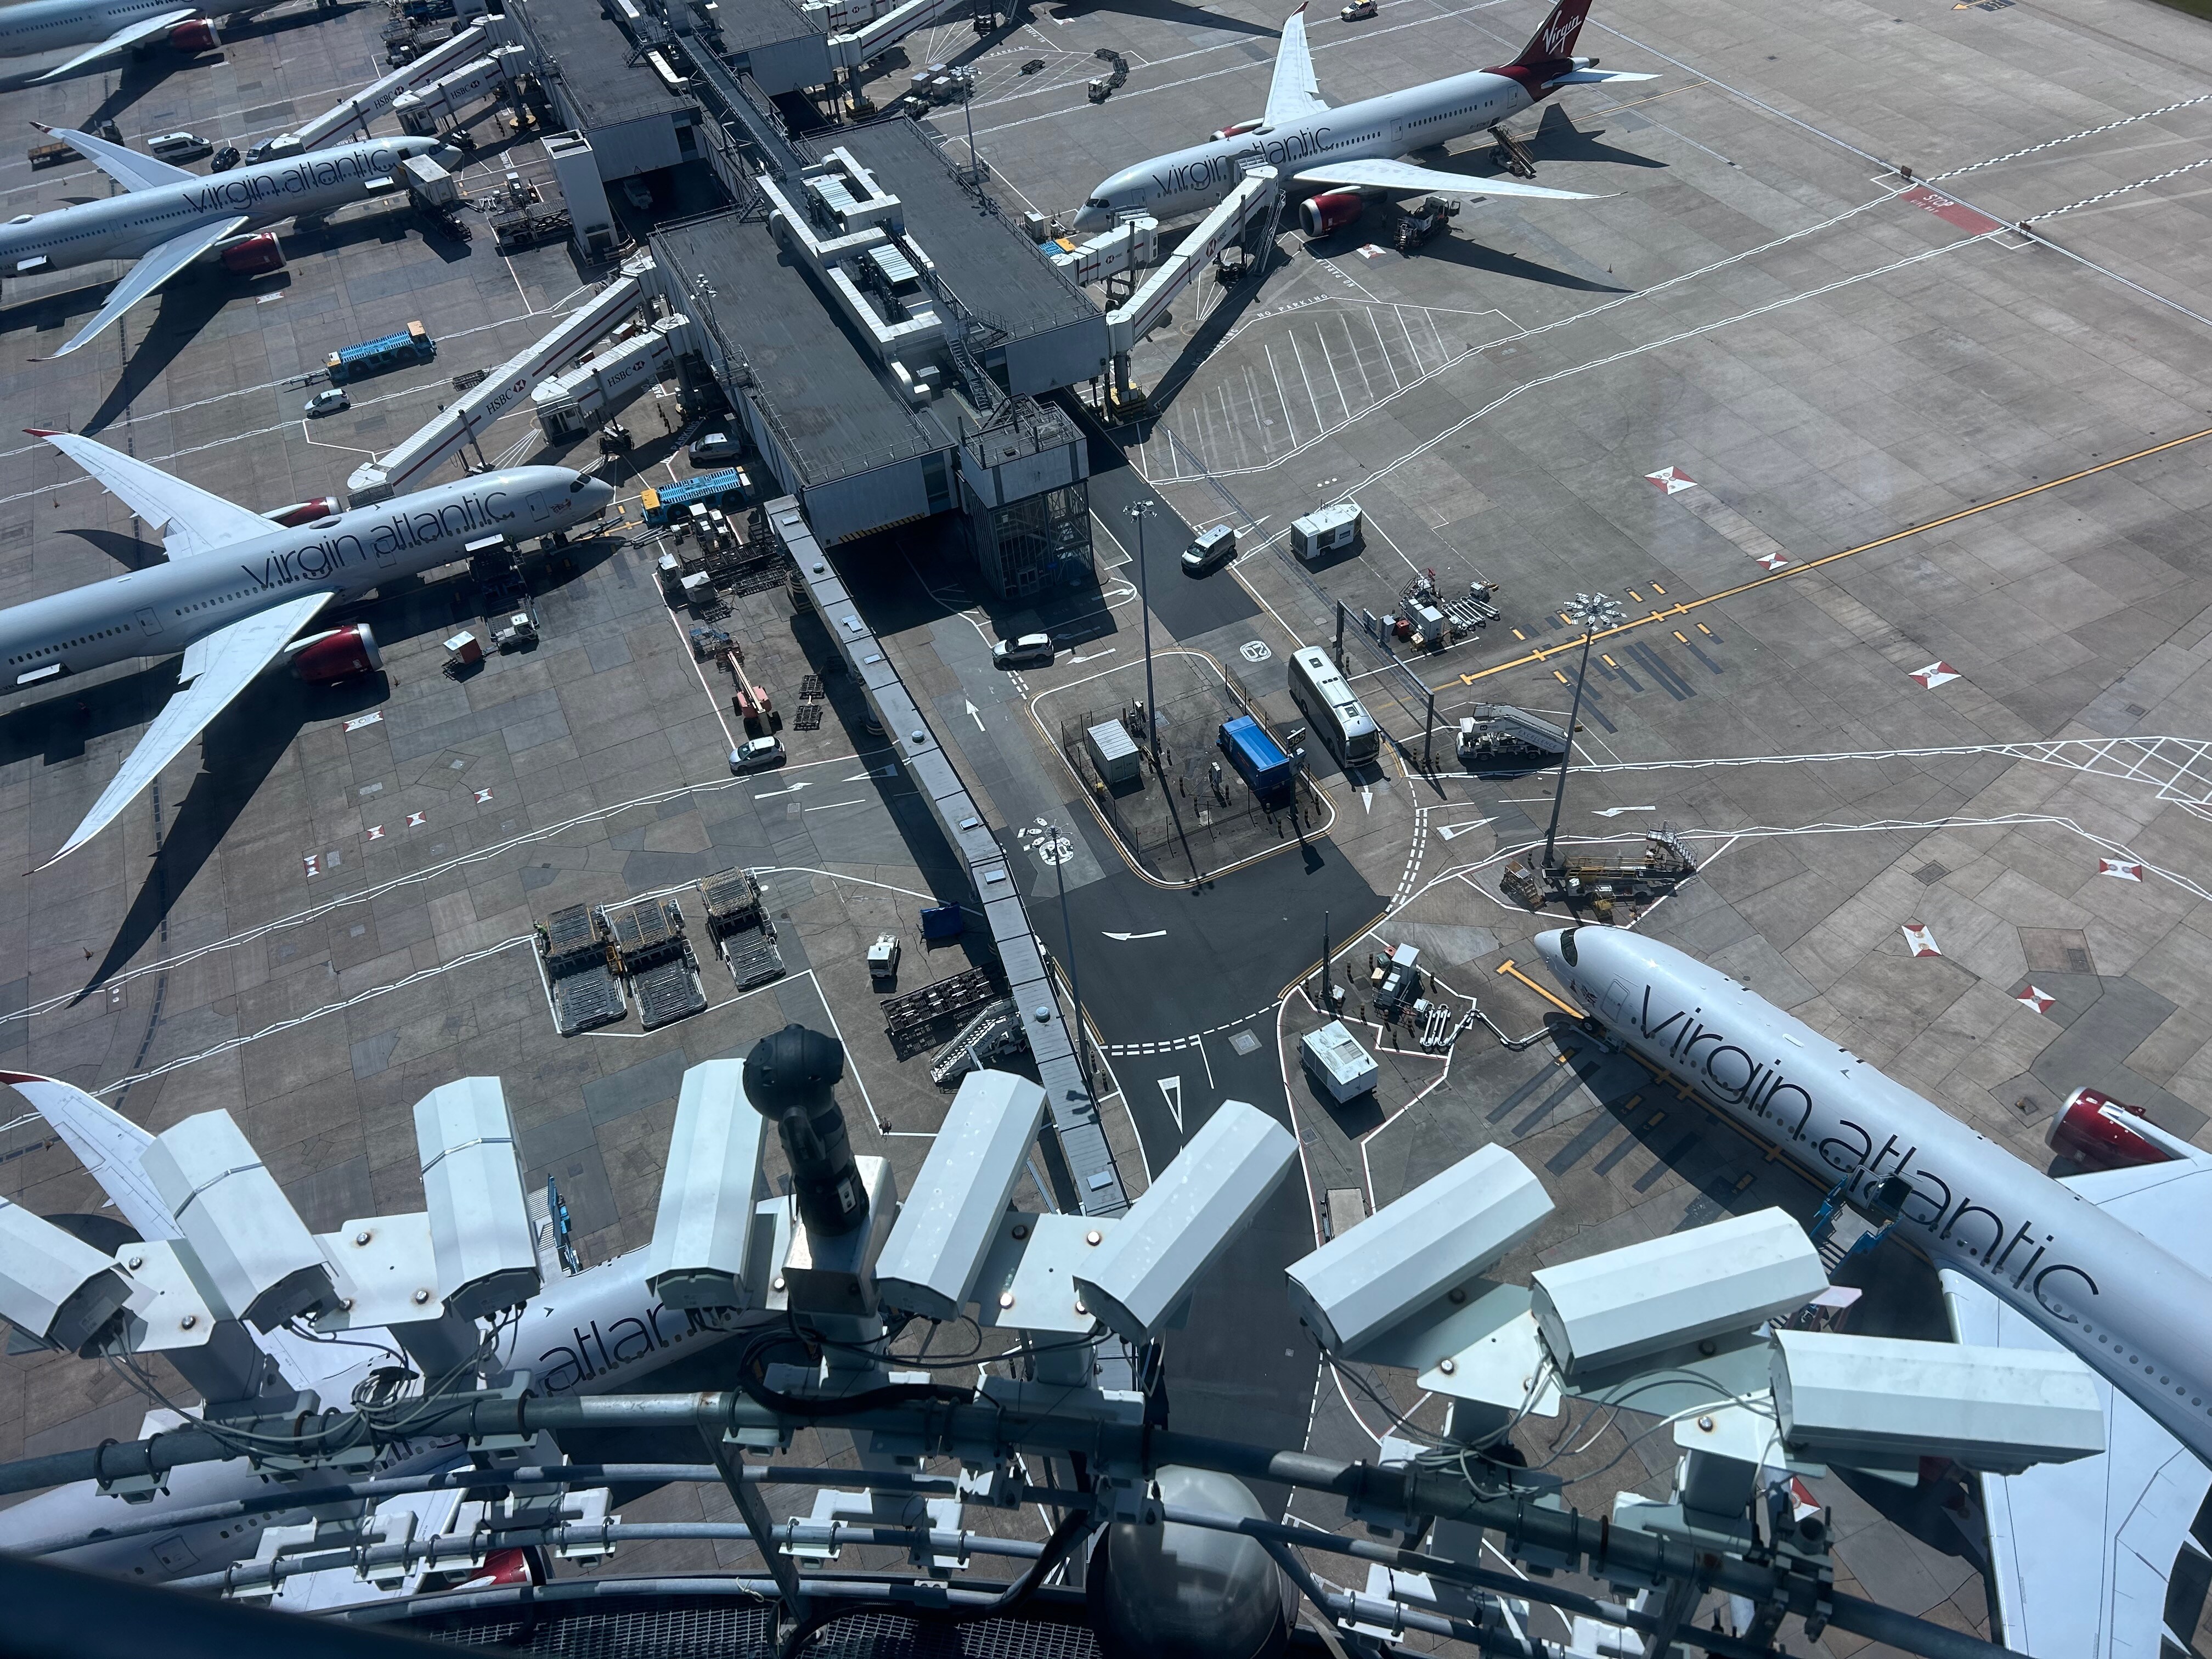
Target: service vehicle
[
  {"x": 715, "y": 446},
  {"x": 1325, "y": 697},
  {"x": 756, "y": 753},
  {"x": 412, "y": 344},
  {"x": 179, "y": 147},
  {"x": 1258, "y": 758},
  {"x": 331, "y": 400},
  {"x": 1030, "y": 650},
  {"x": 1210, "y": 549}
]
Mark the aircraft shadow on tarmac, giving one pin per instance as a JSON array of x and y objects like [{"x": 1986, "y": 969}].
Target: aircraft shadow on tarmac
[
  {"x": 1167, "y": 11},
  {"x": 1200, "y": 345},
  {"x": 1557, "y": 139},
  {"x": 132, "y": 552}
]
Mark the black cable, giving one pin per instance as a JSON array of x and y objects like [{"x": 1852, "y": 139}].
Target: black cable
[
  {"x": 897, "y": 1393},
  {"x": 1074, "y": 1527}
]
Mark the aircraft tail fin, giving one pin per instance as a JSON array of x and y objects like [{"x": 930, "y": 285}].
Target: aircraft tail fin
[{"x": 1555, "y": 40}]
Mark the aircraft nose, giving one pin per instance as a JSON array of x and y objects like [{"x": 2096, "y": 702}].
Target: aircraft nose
[
  {"x": 1092, "y": 220},
  {"x": 597, "y": 494},
  {"x": 1547, "y": 947}
]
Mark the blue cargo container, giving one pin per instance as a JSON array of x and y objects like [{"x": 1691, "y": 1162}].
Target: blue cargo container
[
  {"x": 1258, "y": 758},
  {"x": 726, "y": 489},
  {"x": 412, "y": 344}
]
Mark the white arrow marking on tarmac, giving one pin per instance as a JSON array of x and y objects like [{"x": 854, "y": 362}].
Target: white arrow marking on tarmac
[
  {"x": 1172, "y": 1088},
  {"x": 1157, "y": 933},
  {"x": 1095, "y": 655},
  {"x": 1615, "y": 811},
  {"x": 1449, "y": 830},
  {"x": 770, "y": 795},
  {"x": 1367, "y": 796},
  {"x": 974, "y": 714}
]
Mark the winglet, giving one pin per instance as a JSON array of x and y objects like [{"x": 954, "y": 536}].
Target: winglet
[{"x": 42, "y": 431}]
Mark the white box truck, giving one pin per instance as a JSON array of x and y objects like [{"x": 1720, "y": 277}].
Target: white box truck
[{"x": 1325, "y": 531}]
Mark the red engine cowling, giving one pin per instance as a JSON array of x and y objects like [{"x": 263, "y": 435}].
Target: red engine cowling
[
  {"x": 2093, "y": 1129},
  {"x": 338, "y": 655},
  {"x": 195, "y": 34},
  {"x": 1320, "y": 215},
  {"x": 300, "y": 512},
  {"x": 1238, "y": 130},
  {"x": 249, "y": 256}
]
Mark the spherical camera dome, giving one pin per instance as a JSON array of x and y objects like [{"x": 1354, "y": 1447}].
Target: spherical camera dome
[{"x": 1180, "y": 1592}]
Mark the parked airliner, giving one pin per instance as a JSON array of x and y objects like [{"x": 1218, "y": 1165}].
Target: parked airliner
[
  {"x": 168, "y": 216},
  {"x": 1340, "y": 153},
  {"x": 42, "y": 28},
  {"x": 235, "y": 591},
  {"x": 2102, "y": 1264}
]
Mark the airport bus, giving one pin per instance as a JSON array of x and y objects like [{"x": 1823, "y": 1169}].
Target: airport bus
[{"x": 1331, "y": 709}]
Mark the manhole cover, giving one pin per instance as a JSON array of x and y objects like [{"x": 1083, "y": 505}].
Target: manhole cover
[
  {"x": 1255, "y": 651},
  {"x": 1244, "y": 1042}
]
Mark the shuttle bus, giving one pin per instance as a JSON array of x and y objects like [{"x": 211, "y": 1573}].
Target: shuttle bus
[{"x": 1330, "y": 708}]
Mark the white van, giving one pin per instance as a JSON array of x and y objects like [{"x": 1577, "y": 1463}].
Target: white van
[{"x": 1212, "y": 547}]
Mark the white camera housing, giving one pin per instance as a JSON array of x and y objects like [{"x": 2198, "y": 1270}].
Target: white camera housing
[
  {"x": 1878, "y": 1402},
  {"x": 951, "y": 1218},
  {"x": 1193, "y": 1212},
  {"x": 480, "y": 1230},
  {"x": 257, "y": 1255},
  {"x": 1415, "y": 1248},
  {"x": 53, "y": 1285},
  {"x": 1623, "y": 1304},
  {"x": 702, "y": 1253}
]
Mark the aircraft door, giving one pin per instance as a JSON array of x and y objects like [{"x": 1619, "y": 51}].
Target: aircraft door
[
  {"x": 1614, "y": 1006},
  {"x": 148, "y": 624}
]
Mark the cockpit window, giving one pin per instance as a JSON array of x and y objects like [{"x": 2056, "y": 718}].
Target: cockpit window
[
  {"x": 1097, "y": 201},
  {"x": 1567, "y": 947},
  {"x": 576, "y": 486}
]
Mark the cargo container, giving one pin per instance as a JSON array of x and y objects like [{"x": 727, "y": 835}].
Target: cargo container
[
  {"x": 412, "y": 344},
  {"x": 1339, "y": 1067},
  {"x": 726, "y": 489},
  {"x": 1258, "y": 758}
]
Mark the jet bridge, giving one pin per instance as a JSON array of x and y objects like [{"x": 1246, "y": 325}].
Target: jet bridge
[
  {"x": 1255, "y": 198},
  {"x": 866, "y": 29},
  {"x": 421, "y": 111},
  {"x": 335, "y": 123},
  {"x": 594, "y": 390},
  {"x": 410, "y": 463}
]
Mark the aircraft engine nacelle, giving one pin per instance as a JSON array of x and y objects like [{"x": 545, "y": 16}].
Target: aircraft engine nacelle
[
  {"x": 250, "y": 256},
  {"x": 1238, "y": 130},
  {"x": 196, "y": 34},
  {"x": 2093, "y": 1129},
  {"x": 307, "y": 512},
  {"x": 338, "y": 655},
  {"x": 1321, "y": 215}
]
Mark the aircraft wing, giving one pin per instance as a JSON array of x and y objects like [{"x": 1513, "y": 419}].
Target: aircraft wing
[
  {"x": 1294, "y": 91},
  {"x": 145, "y": 29},
  {"x": 1405, "y": 177},
  {"x": 192, "y": 520},
  {"x": 153, "y": 268},
  {"x": 219, "y": 667},
  {"x": 1595, "y": 77},
  {"x": 126, "y": 166},
  {"x": 2081, "y": 1553},
  {"x": 106, "y": 1143}
]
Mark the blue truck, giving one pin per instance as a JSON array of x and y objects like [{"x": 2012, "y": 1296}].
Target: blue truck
[
  {"x": 412, "y": 344},
  {"x": 726, "y": 489},
  {"x": 1258, "y": 758}
]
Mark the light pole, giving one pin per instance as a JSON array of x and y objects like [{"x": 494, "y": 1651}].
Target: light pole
[
  {"x": 1592, "y": 613},
  {"x": 1060, "y": 848},
  {"x": 975, "y": 171},
  {"x": 1137, "y": 510}
]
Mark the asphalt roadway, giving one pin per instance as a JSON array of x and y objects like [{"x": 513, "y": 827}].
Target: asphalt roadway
[{"x": 1210, "y": 963}]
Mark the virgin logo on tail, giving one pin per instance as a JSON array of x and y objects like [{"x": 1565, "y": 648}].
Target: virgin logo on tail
[{"x": 1558, "y": 33}]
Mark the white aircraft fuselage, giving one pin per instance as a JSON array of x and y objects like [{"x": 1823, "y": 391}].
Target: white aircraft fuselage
[
  {"x": 1187, "y": 181},
  {"x": 125, "y": 226},
  {"x": 2134, "y": 1314},
  {"x": 166, "y": 607}
]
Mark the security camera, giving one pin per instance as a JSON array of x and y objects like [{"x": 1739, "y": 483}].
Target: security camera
[
  {"x": 1880, "y": 1402},
  {"x": 258, "y": 1258},
  {"x": 950, "y": 1220},
  {"x": 703, "y": 1235},
  {"x": 1186, "y": 1220},
  {"x": 55, "y": 1288},
  {"x": 1621, "y": 1305},
  {"x": 480, "y": 1230},
  {"x": 1416, "y": 1248}
]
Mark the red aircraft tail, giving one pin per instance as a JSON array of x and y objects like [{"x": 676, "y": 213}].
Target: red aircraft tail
[{"x": 1555, "y": 40}]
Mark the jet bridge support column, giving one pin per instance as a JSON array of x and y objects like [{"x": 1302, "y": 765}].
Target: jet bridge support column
[{"x": 1256, "y": 197}]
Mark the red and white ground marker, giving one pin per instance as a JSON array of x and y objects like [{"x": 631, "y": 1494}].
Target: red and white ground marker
[
  {"x": 375, "y": 717},
  {"x": 314, "y": 863},
  {"x": 1801, "y": 1501},
  {"x": 1671, "y": 480},
  {"x": 376, "y": 832},
  {"x": 417, "y": 820},
  {"x": 2124, "y": 868},
  {"x": 1369, "y": 250},
  {"x": 2039, "y": 1000},
  {"x": 1771, "y": 561},
  {"x": 1935, "y": 674},
  {"x": 1919, "y": 940},
  {"x": 483, "y": 796}
]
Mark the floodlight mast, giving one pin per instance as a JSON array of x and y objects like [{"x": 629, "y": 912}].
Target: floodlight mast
[{"x": 1592, "y": 613}]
